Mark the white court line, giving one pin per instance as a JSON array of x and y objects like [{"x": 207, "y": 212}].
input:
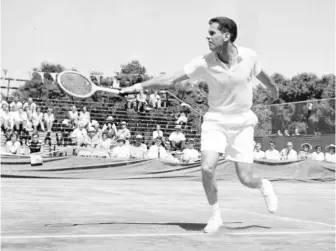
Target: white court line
[
  {"x": 78, "y": 236},
  {"x": 280, "y": 217},
  {"x": 283, "y": 233},
  {"x": 75, "y": 236}
]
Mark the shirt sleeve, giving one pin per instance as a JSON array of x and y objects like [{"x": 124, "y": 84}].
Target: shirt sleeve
[{"x": 195, "y": 68}]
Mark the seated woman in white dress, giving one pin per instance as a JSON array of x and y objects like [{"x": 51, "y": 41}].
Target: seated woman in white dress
[
  {"x": 330, "y": 154},
  {"x": 318, "y": 154},
  {"x": 304, "y": 153},
  {"x": 84, "y": 117},
  {"x": 13, "y": 146},
  {"x": 73, "y": 116},
  {"x": 38, "y": 119},
  {"x": 49, "y": 119},
  {"x": 5, "y": 118},
  {"x": 122, "y": 150}
]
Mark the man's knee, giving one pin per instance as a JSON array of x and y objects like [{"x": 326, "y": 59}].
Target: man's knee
[
  {"x": 207, "y": 169},
  {"x": 245, "y": 174}
]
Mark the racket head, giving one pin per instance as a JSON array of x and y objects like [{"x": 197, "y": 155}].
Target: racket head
[{"x": 76, "y": 84}]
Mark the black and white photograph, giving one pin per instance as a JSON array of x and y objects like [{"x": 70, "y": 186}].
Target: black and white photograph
[{"x": 167, "y": 125}]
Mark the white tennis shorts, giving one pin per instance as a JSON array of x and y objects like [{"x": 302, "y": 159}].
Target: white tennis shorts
[{"x": 230, "y": 134}]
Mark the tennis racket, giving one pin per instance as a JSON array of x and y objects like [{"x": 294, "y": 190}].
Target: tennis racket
[{"x": 77, "y": 85}]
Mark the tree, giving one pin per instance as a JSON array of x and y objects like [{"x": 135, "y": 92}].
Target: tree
[{"x": 133, "y": 67}]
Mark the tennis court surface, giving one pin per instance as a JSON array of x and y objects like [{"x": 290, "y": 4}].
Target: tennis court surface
[{"x": 162, "y": 214}]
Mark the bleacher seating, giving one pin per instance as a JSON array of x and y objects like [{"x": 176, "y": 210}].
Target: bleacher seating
[{"x": 138, "y": 123}]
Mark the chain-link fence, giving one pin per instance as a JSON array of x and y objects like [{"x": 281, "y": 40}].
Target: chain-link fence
[{"x": 312, "y": 117}]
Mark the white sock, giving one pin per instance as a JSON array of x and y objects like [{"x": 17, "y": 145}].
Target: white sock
[{"x": 216, "y": 210}]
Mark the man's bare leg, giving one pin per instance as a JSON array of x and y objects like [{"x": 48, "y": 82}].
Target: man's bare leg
[
  {"x": 209, "y": 164},
  {"x": 250, "y": 179}
]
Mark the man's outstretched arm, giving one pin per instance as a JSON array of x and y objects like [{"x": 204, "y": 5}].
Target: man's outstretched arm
[
  {"x": 160, "y": 82},
  {"x": 264, "y": 78}
]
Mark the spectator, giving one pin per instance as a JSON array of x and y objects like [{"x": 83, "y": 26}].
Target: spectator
[
  {"x": 109, "y": 126},
  {"x": 47, "y": 146},
  {"x": 5, "y": 118},
  {"x": 279, "y": 133},
  {"x": 73, "y": 116},
  {"x": 190, "y": 154},
  {"x": 330, "y": 154},
  {"x": 288, "y": 153},
  {"x": 79, "y": 135},
  {"x": 157, "y": 132},
  {"x": 30, "y": 105},
  {"x": 29, "y": 119},
  {"x": 24, "y": 150},
  {"x": 181, "y": 119},
  {"x": 177, "y": 139},
  {"x": 37, "y": 119},
  {"x": 35, "y": 145},
  {"x": 105, "y": 142},
  {"x": 286, "y": 133},
  {"x": 121, "y": 150},
  {"x": 20, "y": 120},
  {"x": 16, "y": 104},
  {"x": 138, "y": 150},
  {"x": 141, "y": 100},
  {"x": 13, "y": 146},
  {"x": 2, "y": 101},
  {"x": 98, "y": 131},
  {"x": 124, "y": 132},
  {"x": 163, "y": 99},
  {"x": 92, "y": 141},
  {"x": 272, "y": 153},
  {"x": 258, "y": 153},
  {"x": 155, "y": 100},
  {"x": 49, "y": 119},
  {"x": 157, "y": 150},
  {"x": 131, "y": 101},
  {"x": 296, "y": 132},
  {"x": 110, "y": 131},
  {"x": 318, "y": 154},
  {"x": 304, "y": 153},
  {"x": 84, "y": 116}
]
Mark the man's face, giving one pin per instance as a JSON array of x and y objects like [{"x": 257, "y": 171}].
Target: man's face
[
  {"x": 331, "y": 150},
  {"x": 318, "y": 149},
  {"x": 191, "y": 145},
  {"x": 30, "y": 100},
  {"x": 158, "y": 142},
  {"x": 305, "y": 148},
  {"x": 104, "y": 136},
  {"x": 158, "y": 127},
  {"x": 84, "y": 109},
  {"x": 272, "y": 146},
  {"x": 258, "y": 146},
  {"x": 35, "y": 138},
  {"x": 16, "y": 99},
  {"x": 92, "y": 134},
  {"x": 216, "y": 38},
  {"x": 123, "y": 126},
  {"x": 289, "y": 146}
]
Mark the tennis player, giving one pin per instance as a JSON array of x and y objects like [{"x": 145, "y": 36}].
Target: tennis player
[{"x": 228, "y": 126}]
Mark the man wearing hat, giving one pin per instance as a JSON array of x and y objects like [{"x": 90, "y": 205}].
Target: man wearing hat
[
  {"x": 330, "y": 154},
  {"x": 92, "y": 141},
  {"x": 304, "y": 153},
  {"x": 121, "y": 150},
  {"x": 288, "y": 153},
  {"x": 190, "y": 154},
  {"x": 123, "y": 131},
  {"x": 138, "y": 150},
  {"x": 177, "y": 139}
]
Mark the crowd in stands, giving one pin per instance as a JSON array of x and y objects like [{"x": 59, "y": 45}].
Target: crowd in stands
[
  {"x": 147, "y": 100},
  {"x": 288, "y": 153},
  {"x": 21, "y": 124}
]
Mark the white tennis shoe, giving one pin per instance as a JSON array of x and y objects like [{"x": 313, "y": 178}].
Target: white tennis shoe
[
  {"x": 270, "y": 196},
  {"x": 214, "y": 223}
]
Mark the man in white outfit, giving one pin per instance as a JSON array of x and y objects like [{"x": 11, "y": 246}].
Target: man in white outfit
[{"x": 228, "y": 126}]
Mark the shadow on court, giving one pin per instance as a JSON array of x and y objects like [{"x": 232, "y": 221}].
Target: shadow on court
[{"x": 184, "y": 226}]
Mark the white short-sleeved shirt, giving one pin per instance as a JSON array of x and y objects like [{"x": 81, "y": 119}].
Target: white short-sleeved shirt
[
  {"x": 15, "y": 106},
  {"x": 13, "y": 147},
  {"x": 330, "y": 157},
  {"x": 318, "y": 156},
  {"x": 259, "y": 155},
  {"x": 230, "y": 89},
  {"x": 157, "y": 134},
  {"x": 178, "y": 137},
  {"x": 31, "y": 106},
  {"x": 272, "y": 154},
  {"x": 190, "y": 154},
  {"x": 121, "y": 151},
  {"x": 291, "y": 155}
]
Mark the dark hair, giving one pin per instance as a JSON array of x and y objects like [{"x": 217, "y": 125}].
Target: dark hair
[
  {"x": 226, "y": 25},
  {"x": 14, "y": 134},
  {"x": 271, "y": 142},
  {"x": 318, "y": 147}
]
